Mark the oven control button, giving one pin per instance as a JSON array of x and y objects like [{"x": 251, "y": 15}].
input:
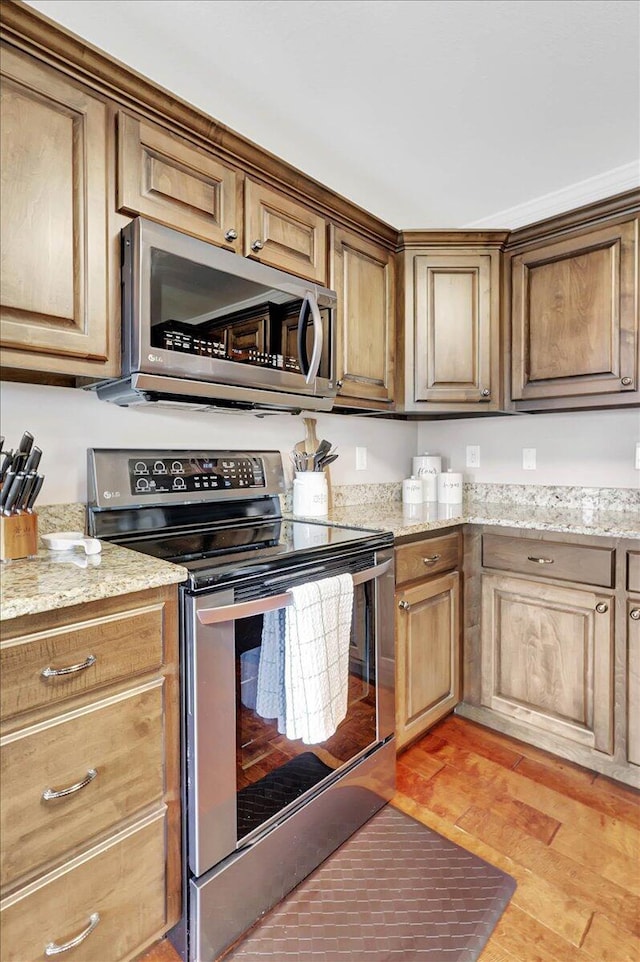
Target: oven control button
[
  {"x": 179, "y": 484},
  {"x": 177, "y": 467},
  {"x": 142, "y": 484},
  {"x": 140, "y": 468},
  {"x": 158, "y": 467}
]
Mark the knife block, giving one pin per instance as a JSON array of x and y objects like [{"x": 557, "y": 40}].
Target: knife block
[{"x": 18, "y": 536}]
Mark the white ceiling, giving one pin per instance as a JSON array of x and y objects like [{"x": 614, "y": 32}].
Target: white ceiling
[{"x": 429, "y": 113}]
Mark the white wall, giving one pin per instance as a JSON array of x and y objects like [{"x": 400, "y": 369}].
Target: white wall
[
  {"x": 65, "y": 422},
  {"x": 591, "y": 449}
]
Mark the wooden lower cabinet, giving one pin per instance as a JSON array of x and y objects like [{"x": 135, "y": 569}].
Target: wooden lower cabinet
[
  {"x": 547, "y": 658},
  {"x": 89, "y": 789},
  {"x": 427, "y": 654},
  {"x": 114, "y": 893},
  {"x": 633, "y": 680}
]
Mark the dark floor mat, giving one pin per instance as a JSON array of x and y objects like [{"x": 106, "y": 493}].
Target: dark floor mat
[
  {"x": 394, "y": 890},
  {"x": 258, "y": 802}
]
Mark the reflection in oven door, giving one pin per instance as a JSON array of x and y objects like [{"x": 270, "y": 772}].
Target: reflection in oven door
[{"x": 243, "y": 773}]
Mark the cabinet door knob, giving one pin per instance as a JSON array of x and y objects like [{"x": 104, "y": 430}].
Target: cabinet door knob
[
  {"x": 601, "y": 608},
  {"x": 404, "y": 605},
  {"x": 339, "y": 383},
  {"x": 431, "y": 560},
  {"x": 486, "y": 392},
  {"x": 257, "y": 245},
  {"x": 626, "y": 381},
  {"x": 635, "y": 614},
  {"x": 231, "y": 234}
]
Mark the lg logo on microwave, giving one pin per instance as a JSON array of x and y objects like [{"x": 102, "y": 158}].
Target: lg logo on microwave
[
  {"x": 110, "y": 494},
  {"x": 155, "y": 358}
]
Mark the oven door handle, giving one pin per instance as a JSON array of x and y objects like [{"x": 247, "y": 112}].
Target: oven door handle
[{"x": 244, "y": 609}]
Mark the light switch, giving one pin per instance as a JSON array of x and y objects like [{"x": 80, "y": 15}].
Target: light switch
[{"x": 529, "y": 459}]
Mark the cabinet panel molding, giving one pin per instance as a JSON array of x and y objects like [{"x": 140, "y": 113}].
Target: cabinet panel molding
[
  {"x": 167, "y": 179},
  {"x": 291, "y": 236},
  {"x": 56, "y": 193},
  {"x": 633, "y": 680},
  {"x": 547, "y": 658},
  {"x": 574, "y": 316},
  {"x": 363, "y": 276}
]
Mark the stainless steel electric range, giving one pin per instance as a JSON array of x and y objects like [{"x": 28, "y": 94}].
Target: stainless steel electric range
[{"x": 260, "y": 810}]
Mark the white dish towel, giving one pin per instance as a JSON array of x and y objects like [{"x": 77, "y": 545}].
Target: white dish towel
[{"x": 313, "y": 661}]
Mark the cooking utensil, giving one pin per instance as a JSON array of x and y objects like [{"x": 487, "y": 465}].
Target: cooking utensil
[
  {"x": 33, "y": 460},
  {"x": 327, "y": 461},
  {"x": 26, "y": 441},
  {"x": 35, "y": 491},
  {"x": 13, "y": 492},
  {"x": 6, "y": 487},
  {"x": 65, "y": 540},
  {"x": 7, "y": 458},
  {"x": 27, "y": 488}
]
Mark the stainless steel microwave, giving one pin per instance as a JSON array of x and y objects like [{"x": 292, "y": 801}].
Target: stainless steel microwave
[{"x": 204, "y": 326}]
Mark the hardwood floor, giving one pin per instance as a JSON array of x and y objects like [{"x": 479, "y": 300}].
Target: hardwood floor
[{"x": 570, "y": 838}]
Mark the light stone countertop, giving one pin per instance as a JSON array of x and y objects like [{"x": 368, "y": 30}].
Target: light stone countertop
[
  {"x": 407, "y": 521},
  {"x": 52, "y": 580}
]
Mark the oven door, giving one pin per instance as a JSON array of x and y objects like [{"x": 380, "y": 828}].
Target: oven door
[{"x": 244, "y": 775}]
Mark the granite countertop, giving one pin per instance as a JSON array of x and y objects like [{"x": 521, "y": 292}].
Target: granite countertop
[
  {"x": 406, "y": 521},
  {"x": 57, "y": 579}
]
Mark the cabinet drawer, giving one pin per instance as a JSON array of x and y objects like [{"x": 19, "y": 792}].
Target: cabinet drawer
[
  {"x": 550, "y": 559},
  {"x": 123, "y": 644},
  {"x": 120, "y": 738},
  {"x": 121, "y": 880},
  {"x": 428, "y": 557},
  {"x": 633, "y": 570}
]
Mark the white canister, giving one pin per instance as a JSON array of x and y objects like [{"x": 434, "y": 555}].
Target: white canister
[
  {"x": 450, "y": 488},
  {"x": 412, "y": 490},
  {"x": 428, "y": 467},
  {"x": 310, "y": 494}
]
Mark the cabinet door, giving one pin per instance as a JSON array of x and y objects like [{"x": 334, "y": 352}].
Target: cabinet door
[
  {"x": 456, "y": 328},
  {"x": 56, "y": 309},
  {"x": 283, "y": 233},
  {"x": 427, "y": 655},
  {"x": 168, "y": 179},
  {"x": 575, "y": 316},
  {"x": 547, "y": 658},
  {"x": 633, "y": 681},
  {"x": 362, "y": 274}
]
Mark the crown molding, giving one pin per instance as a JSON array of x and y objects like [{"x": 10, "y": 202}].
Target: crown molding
[{"x": 615, "y": 181}]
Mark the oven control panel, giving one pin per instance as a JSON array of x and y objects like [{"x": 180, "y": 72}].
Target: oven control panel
[{"x": 176, "y": 475}]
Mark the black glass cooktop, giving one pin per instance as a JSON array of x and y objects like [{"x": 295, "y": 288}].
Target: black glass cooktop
[{"x": 211, "y": 555}]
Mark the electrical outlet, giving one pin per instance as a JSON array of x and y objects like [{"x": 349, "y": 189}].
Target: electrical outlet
[
  {"x": 473, "y": 455},
  {"x": 529, "y": 459},
  {"x": 361, "y": 459},
  {"x": 638, "y": 456}
]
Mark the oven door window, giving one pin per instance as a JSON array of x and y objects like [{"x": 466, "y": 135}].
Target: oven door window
[{"x": 274, "y": 771}]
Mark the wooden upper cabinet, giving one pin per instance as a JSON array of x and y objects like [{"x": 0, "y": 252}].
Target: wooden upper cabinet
[
  {"x": 283, "y": 233},
  {"x": 451, "y": 342},
  {"x": 58, "y": 313},
  {"x": 574, "y": 319},
  {"x": 168, "y": 179},
  {"x": 362, "y": 274}
]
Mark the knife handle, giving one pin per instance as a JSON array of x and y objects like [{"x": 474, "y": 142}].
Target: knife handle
[
  {"x": 26, "y": 442},
  {"x": 6, "y": 486},
  {"x": 33, "y": 461},
  {"x": 14, "y": 492},
  {"x": 27, "y": 488},
  {"x": 35, "y": 491}
]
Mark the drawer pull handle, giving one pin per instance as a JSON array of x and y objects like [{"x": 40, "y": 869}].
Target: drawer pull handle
[
  {"x": 635, "y": 614},
  {"x": 432, "y": 560},
  {"x": 71, "y": 670},
  {"x": 404, "y": 605},
  {"x": 601, "y": 608},
  {"x": 540, "y": 561},
  {"x": 50, "y": 793},
  {"x": 53, "y": 949}
]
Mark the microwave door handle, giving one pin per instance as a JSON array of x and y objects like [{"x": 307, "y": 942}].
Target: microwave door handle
[
  {"x": 245, "y": 609},
  {"x": 311, "y": 303}
]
